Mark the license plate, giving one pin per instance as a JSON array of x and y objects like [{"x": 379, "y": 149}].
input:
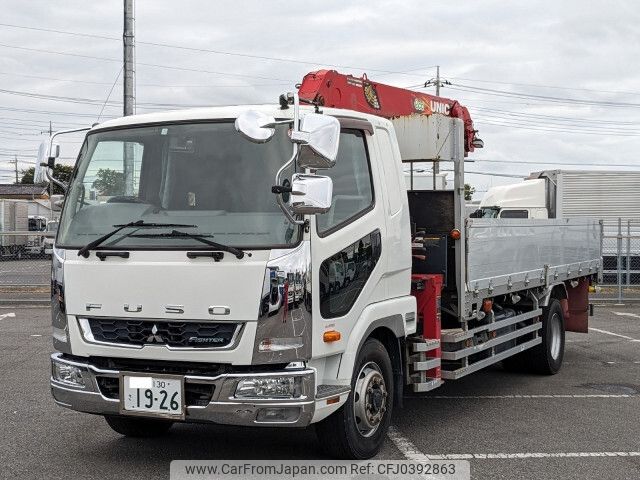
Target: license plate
[{"x": 151, "y": 395}]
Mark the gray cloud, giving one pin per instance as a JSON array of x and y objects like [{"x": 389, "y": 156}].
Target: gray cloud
[{"x": 576, "y": 44}]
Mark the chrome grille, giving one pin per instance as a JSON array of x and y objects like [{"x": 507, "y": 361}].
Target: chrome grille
[{"x": 177, "y": 334}]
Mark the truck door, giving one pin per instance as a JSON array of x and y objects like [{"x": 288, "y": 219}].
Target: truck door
[{"x": 352, "y": 231}]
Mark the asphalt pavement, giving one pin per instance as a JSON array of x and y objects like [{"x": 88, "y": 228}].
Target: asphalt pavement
[{"x": 583, "y": 423}]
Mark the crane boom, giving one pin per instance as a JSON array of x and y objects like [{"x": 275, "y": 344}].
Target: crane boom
[{"x": 333, "y": 89}]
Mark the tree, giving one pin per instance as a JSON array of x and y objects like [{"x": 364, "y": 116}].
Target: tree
[
  {"x": 60, "y": 172},
  {"x": 109, "y": 182},
  {"x": 468, "y": 191}
]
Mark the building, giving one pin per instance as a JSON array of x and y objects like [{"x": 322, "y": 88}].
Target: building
[{"x": 18, "y": 191}]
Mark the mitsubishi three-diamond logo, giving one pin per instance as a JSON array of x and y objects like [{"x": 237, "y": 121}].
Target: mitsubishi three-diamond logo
[{"x": 154, "y": 337}]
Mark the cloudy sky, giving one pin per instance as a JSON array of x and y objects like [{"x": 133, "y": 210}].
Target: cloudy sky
[{"x": 553, "y": 82}]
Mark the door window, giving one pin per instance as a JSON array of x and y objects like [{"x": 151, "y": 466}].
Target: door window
[{"x": 352, "y": 185}]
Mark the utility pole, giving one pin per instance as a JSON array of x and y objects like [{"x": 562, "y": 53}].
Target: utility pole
[
  {"x": 128, "y": 41},
  {"x": 15, "y": 163},
  {"x": 128, "y": 70},
  {"x": 437, "y": 83}
]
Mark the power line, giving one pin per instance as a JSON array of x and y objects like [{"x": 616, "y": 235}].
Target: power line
[
  {"x": 544, "y": 98},
  {"x": 88, "y": 82},
  {"x": 553, "y": 130},
  {"x": 48, "y": 112},
  {"x": 155, "y": 65},
  {"x": 597, "y": 129},
  {"x": 552, "y": 117},
  {"x": 557, "y": 163},
  {"x": 220, "y": 52},
  {"x": 535, "y": 85}
]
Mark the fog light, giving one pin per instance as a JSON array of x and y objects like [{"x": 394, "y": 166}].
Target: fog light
[
  {"x": 68, "y": 374},
  {"x": 269, "y": 387},
  {"x": 287, "y": 414}
]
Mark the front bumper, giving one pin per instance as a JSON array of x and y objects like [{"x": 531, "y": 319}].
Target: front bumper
[{"x": 221, "y": 408}]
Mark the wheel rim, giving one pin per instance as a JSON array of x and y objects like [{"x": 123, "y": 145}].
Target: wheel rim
[
  {"x": 370, "y": 399},
  {"x": 556, "y": 336}
]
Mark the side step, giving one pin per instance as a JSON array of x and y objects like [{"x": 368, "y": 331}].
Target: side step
[{"x": 423, "y": 372}]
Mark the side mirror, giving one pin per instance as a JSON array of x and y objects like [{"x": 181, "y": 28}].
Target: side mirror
[
  {"x": 53, "y": 154},
  {"x": 310, "y": 194},
  {"x": 319, "y": 136},
  {"x": 255, "y": 126}
]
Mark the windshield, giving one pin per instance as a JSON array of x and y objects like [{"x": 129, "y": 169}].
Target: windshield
[
  {"x": 203, "y": 174},
  {"x": 488, "y": 212}
]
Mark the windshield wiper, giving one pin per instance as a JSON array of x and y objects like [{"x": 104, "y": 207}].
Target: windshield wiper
[
  {"x": 200, "y": 238},
  {"x": 84, "y": 251}
]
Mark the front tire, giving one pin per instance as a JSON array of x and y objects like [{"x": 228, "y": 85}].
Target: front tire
[
  {"x": 357, "y": 430},
  {"x": 138, "y": 427}
]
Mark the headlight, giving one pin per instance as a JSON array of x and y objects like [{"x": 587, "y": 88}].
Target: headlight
[
  {"x": 68, "y": 374},
  {"x": 269, "y": 387}
]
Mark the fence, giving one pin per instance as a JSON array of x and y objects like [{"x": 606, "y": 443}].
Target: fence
[
  {"x": 25, "y": 261},
  {"x": 620, "y": 261}
]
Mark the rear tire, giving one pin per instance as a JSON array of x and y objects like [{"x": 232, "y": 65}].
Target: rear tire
[
  {"x": 546, "y": 358},
  {"x": 358, "y": 429},
  {"x": 138, "y": 427}
]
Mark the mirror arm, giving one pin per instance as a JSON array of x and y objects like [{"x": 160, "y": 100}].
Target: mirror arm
[
  {"x": 295, "y": 130},
  {"x": 48, "y": 166},
  {"x": 279, "y": 200},
  {"x": 50, "y": 177},
  {"x": 62, "y": 132}
]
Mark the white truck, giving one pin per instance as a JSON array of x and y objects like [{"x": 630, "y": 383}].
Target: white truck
[
  {"x": 166, "y": 301},
  {"x": 14, "y": 226}
]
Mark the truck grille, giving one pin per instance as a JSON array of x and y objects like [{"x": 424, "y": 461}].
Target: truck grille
[{"x": 172, "y": 334}]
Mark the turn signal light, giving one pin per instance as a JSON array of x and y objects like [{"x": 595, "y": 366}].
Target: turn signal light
[
  {"x": 455, "y": 234},
  {"x": 331, "y": 336}
]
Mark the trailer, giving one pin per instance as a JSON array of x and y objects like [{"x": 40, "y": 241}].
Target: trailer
[
  {"x": 14, "y": 227},
  {"x": 267, "y": 266}
]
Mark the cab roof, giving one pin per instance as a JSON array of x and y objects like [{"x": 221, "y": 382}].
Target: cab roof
[{"x": 228, "y": 112}]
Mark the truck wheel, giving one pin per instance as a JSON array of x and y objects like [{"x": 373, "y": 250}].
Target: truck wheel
[
  {"x": 546, "y": 358},
  {"x": 138, "y": 427},
  {"x": 357, "y": 430}
]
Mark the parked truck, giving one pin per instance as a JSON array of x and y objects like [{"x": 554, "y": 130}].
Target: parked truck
[
  {"x": 165, "y": 294},
  {"x": 610, "y": 196},
  {"x": 14, "y": 225}
]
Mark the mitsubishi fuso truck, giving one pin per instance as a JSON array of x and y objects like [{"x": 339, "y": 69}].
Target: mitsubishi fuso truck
[{"x": 199, "y": 267}]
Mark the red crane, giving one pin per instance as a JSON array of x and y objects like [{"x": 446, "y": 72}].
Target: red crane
[{"x": 330, "y": 88}]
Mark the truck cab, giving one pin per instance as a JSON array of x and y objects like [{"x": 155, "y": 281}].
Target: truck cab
[
  {"x": 527, "y": 199},
  {"x": 196, "y": 287}
]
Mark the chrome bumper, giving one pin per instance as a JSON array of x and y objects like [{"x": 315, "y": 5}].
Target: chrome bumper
[{"x": 223, "y": 408}]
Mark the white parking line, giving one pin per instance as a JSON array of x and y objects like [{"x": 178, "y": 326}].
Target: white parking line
[
  {"x": 7, "y": 315},
  {"x": 476, "y": 397},
  {"x": 591, "y": 329},
  {"x": 411, "y": 452},
  {"x": 408, "y": 449},
  {"x": 626, "y": 314},
  {"x": 490, "y": 456}
]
